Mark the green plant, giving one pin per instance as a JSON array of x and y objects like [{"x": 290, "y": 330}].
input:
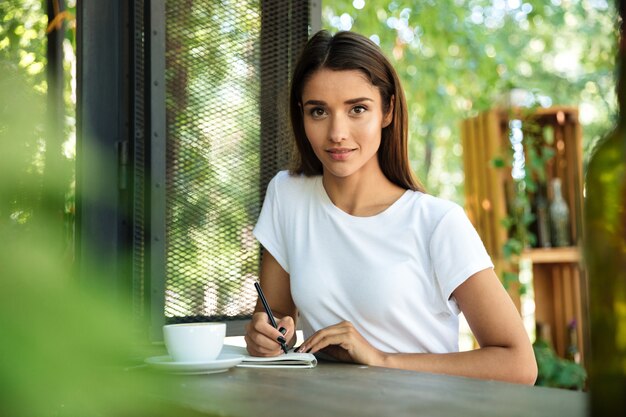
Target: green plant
[{"x": 555, "y": 371}]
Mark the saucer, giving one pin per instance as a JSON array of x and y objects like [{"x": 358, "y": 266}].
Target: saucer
[{"x": 222, "y": 363}]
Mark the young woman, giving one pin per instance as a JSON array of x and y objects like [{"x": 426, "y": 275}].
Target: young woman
[{"x": 376, "y": 269}]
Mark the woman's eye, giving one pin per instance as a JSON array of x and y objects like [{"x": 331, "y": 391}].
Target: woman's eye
[
  {"x": 359, "y": 109},
  {"x": 317, "y": 112}
]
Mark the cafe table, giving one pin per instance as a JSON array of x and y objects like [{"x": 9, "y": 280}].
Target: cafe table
[{"x": 339, "y": 389}]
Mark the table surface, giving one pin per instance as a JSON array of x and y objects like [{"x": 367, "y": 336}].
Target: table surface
[{"x": 337, "y": 389}]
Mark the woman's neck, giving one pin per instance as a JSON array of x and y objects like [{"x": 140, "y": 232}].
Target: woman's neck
[{"x": 362, "y": 195}]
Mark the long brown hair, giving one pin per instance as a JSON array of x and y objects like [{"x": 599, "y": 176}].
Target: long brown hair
[{"x": 351, "y": 51}]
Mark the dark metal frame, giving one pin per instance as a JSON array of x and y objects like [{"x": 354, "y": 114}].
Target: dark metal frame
[
  {"x": 103, "y": 223},
  {"x": 156, "y": 259},
  {"x": 112, "y": 153}
]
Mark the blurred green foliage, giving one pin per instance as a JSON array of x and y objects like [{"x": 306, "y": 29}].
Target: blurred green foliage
[
  {"x": 23, "y": 26},
  {"x": 459, "y": 57},
  {"x": 22, "y": 38},
  {"x": 64, "y": 347},
  {"x": 555, "y": 371}
]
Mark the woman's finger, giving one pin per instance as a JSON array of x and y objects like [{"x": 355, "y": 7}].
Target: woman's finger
[
  {"x": 321, "y": 338},
  {"x": 327, "y": 340},
  {"x": 261, "y": 351},
  {"x": 262, "y": 339},
  {"x": 287, "y": 328},
  {"x": 344, "y": 342},
  {"x": 261, "y": 346}
]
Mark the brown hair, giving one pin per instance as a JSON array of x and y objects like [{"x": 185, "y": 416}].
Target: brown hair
[{"x": 351, "y": 51}]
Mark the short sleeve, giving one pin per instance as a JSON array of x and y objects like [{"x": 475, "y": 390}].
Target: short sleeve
[
  {"x": 457, "y": 253},
  {"x": 268, "y": 229}
]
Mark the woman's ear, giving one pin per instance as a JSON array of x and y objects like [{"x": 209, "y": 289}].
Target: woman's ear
[{"x": 388, "y": 118}]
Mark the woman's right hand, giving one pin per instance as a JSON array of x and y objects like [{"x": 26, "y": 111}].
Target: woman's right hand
[{"x": 262, "y": 339}]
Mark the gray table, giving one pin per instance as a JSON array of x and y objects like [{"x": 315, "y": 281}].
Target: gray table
[{"x": 334, "y": 389}]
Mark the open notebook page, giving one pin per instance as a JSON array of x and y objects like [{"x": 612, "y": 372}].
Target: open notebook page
[{"x": 287, "y": 360}]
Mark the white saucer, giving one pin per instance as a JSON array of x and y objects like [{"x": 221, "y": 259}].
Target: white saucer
[{"x": 224, "y": 362}]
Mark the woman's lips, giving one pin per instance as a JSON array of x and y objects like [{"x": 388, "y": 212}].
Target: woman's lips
[{"x": 340, "y": 154}]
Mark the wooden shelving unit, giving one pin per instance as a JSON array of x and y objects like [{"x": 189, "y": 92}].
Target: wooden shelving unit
[
  {"x": 552, "y": 255},
  {"x": 558, "y": 279},
  {"x": 558, "y": 289}
]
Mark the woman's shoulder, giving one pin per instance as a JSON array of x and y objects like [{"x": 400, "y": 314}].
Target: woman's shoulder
[
  {"x": 433, "y": 205},
  {"x": 290, "y": 177},
  {"x": 429, "y": 209}
]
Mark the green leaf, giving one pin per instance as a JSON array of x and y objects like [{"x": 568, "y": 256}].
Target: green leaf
[
  {"x": 507, "y": 222},
  {"x": 498, "y": 162},
  {"x": 548, "y": 153}
]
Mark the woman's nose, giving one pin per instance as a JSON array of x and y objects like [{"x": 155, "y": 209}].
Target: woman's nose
[{"x": 338, "y": 129}]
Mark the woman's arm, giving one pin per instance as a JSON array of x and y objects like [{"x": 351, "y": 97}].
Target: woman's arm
[
  {"x": 505, "y": 351},
  {"x": 261, "y": 337}
]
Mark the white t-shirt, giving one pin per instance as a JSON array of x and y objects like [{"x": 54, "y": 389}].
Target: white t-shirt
[{"x": 391, "y": 275}]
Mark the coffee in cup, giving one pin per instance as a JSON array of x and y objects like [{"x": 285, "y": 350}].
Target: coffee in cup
[{"x": 194, "y": 342}]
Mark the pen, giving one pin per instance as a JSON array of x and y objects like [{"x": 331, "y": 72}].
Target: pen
[{"x": 266, "y": 306}]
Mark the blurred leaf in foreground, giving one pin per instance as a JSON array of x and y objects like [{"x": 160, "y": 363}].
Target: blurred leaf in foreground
[{"x": 63, "y": 348}]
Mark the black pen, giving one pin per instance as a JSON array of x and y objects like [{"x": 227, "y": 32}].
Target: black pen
[{"x": 266, "y": 306}]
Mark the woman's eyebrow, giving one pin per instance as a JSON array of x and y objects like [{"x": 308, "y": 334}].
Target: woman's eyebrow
[
  {"x": 314, "y": 103},
  {"x": 358, "y": 100},
  {"x": 350, "y": 101}
]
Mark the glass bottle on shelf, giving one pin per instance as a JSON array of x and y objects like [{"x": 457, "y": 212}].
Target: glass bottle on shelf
[
  {"x": 559, "y": 216},
  {"x": 605, "y": 257},
  {"x": 543, "y": 218}
]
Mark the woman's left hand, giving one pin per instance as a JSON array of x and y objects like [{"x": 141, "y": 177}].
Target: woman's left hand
[{"x": 343, "y": 342}]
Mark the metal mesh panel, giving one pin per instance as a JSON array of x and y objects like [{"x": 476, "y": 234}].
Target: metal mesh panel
[{"x": 224, "y": 80}]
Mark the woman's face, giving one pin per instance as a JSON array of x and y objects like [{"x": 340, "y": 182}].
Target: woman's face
[{"x": 343, "y": 120}]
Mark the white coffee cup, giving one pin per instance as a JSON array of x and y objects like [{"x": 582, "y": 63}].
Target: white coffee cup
[{"x": 194, "y": 342}]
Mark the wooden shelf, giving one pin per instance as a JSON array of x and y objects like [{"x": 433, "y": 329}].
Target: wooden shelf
[
  {"x": 569, "y": 254},
  {"x": 557, "y": 273}
]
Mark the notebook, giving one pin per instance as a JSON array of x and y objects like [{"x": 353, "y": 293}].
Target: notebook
[{"x": 288, "y": 360}]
